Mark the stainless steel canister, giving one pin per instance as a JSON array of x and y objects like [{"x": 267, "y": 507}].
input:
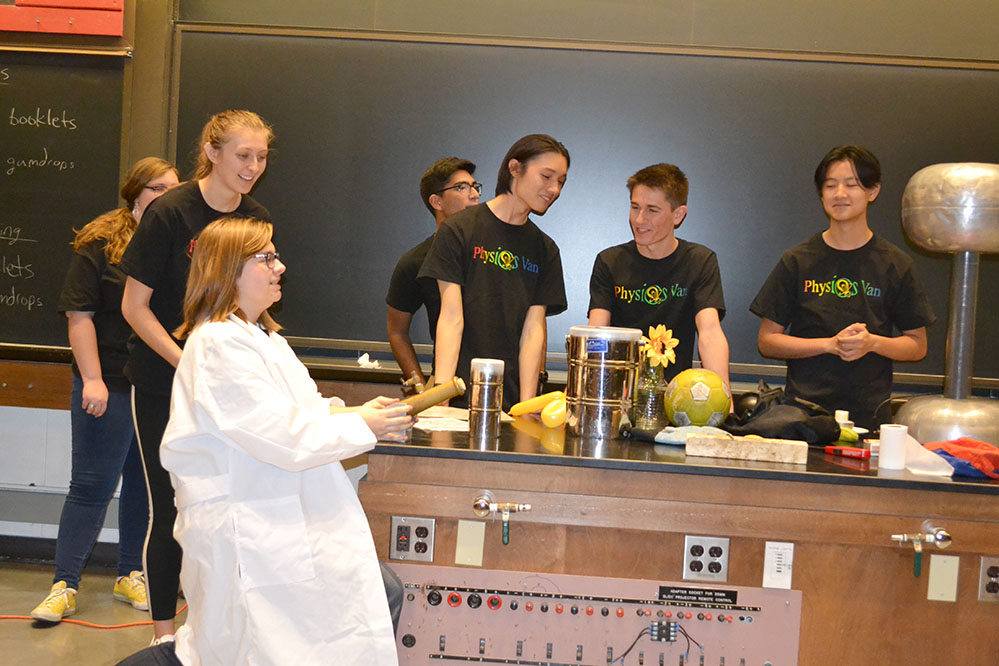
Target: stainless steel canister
[
  {"x": 485, "y": 399},
  {"x": 603, "y": 361}
]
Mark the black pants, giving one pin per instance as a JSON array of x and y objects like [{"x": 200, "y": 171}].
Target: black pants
[{"x": 162, "y": 554}]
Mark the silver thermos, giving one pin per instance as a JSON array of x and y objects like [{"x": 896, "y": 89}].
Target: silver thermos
[{"x": 485, "y": 398}]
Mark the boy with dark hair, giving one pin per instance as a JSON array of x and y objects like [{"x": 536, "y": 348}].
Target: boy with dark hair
[
  {"x": 831, "y": 306},
  {"x": 446, "y": 187},
  {"x": 657, "y": 278}
]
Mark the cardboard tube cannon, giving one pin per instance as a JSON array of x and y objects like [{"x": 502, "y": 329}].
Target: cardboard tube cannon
[{"x": 435, "y": 396}]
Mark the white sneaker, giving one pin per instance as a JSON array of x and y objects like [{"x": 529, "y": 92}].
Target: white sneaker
[{"x": 166, "y": 638}]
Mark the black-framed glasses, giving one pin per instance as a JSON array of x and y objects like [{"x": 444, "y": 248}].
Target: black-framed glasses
[
  {"x": 158, "y": 189},
  {"x": 268, "y": 257},
  {"x": 462, "y": 188}
]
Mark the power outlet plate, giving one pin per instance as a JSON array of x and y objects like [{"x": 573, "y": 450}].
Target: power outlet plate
[
  {"x": 705, "y": 558},
  {"x": 412, "y": 539},
  {"x": 988, "y": 579}
]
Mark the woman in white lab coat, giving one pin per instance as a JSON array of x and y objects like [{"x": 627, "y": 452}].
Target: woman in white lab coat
[{"x": 279, "y": 566}]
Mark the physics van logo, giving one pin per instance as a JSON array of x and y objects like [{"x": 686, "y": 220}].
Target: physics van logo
[
  {"x": 842, "y": 287},
  {"x": 505, "y": 259},
  {"x": 649, "y": 294}
]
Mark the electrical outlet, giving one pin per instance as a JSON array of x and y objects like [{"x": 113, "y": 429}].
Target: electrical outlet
[
  {"x": 705, "y": 558},
  {"x": 412, "y": 539},
  {"x": 988, "y": 580}
]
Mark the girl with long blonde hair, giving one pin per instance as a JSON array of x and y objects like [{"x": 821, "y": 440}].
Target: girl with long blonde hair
[{"x": 104, "y": 447}]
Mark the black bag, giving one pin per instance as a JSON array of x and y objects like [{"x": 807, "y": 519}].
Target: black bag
[{"x": 780, "y": 416}]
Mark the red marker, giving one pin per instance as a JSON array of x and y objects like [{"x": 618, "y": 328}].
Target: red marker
[{"x": 848, "y": 451}]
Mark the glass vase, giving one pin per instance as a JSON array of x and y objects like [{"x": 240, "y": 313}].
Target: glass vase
[{"x": 649, "y": 410}]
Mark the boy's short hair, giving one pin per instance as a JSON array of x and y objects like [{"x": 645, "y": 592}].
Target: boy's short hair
[
  {"x": 665, "y": 177},
  {"x": 867, "y": 166},
  {"x": 436, "y": 176}
]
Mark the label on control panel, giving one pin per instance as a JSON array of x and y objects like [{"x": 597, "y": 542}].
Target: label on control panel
[{"x": 698, "y": 595}]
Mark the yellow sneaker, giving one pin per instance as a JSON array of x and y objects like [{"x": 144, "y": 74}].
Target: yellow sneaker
[
  {"x": 132, "y": 590},
  {"x": 60, "y": 603}
]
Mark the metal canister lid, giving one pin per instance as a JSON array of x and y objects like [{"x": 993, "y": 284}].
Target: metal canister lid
[
  {"x": 486, "y": 369},
  {"x": 606, "y": 333}
]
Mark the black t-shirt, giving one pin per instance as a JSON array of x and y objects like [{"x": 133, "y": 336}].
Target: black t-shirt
[
  {"x": 640, "y": 292},
  {"x": 159, "y": 257},
  {"x": 94, "y": 285},
  {"x": 503, "y": 270},
  {"x": 816, "y": 291},
  {"x": 408, "y": 293}
]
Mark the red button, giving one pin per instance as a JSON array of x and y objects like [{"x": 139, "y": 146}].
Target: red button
[
  {"x": 529, "y": 606},
  {"x": 558, "y": 608},
  {"x": 620, "y": 612},
  {"x": 454, "y": 599},
  {"x": 729, "y": 618},
  {"x": 669, "y": 613},
  {"x": 494, "y": 602},
  {"x": 648, "y": 612},
  {"x": 589, "y": 610},
  {"x": 708, "y": 616},
  {"x": 689, "y": 615}
]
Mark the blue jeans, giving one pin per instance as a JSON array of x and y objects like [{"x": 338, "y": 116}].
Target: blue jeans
[{"x": 104, "y": 449}]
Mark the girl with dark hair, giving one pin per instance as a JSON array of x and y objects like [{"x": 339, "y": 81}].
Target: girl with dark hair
[
  {"x": 103, "y": 438},
  {"x": 232, "y": 156},
  {"x": 499, "y": 275}
]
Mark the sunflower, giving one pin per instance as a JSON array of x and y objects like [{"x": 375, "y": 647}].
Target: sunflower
[{"x": 658, "y": 347}]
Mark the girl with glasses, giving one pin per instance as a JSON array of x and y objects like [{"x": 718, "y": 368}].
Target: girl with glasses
[
  {"x": 104, "y": 447},
  {"x": 279, "y": 563}
]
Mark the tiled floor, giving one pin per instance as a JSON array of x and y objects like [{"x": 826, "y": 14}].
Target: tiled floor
[{"x": 24, "y": 642}]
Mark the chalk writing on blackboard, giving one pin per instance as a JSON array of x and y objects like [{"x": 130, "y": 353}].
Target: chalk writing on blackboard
[
  {"x": 11, "y": 235},
  {"x": 4, "y": 76},
  {"x": 15, "y": 268},
  {"x": 20, "y": 299},
  {"x": 42, "y": 161},
  {"x": 39, "y": 118}
]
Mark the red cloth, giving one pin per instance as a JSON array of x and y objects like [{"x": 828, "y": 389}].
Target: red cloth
[{"x": 982, "y": 455}]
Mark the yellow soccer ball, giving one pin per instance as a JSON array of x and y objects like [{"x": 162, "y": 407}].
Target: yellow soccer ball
[{"x": 697, "y": 397}]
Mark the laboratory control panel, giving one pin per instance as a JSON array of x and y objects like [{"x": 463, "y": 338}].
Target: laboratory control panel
[{"x": 454, "y": 615}]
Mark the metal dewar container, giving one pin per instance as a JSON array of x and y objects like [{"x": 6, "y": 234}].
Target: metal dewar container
[
  {"x": 603, "y": 361},
  {"x": 485, "y": 399}
]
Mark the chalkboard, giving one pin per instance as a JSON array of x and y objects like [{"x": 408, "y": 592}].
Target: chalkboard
[
  {"x": 60, "y": 139},
  {"x": 358, "y": 120}
]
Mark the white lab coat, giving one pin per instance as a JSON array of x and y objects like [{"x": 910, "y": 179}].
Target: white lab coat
[{"x": 279, "y": 565}]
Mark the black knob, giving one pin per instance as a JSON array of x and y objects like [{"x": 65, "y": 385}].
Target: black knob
[
  {"x": 434, "y": 597},
  {"x": 604, "y": 611},
  {"x": 409, "y": 640},
  {"x": 574, "y": 610},
  {"x": 544, "y": 608},
  {"x": 474, "y": 600},
  {"x": 514, "y": 605}
]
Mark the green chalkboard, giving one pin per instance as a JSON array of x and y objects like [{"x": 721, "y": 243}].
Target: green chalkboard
[{"x": 60, "y": 142}]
